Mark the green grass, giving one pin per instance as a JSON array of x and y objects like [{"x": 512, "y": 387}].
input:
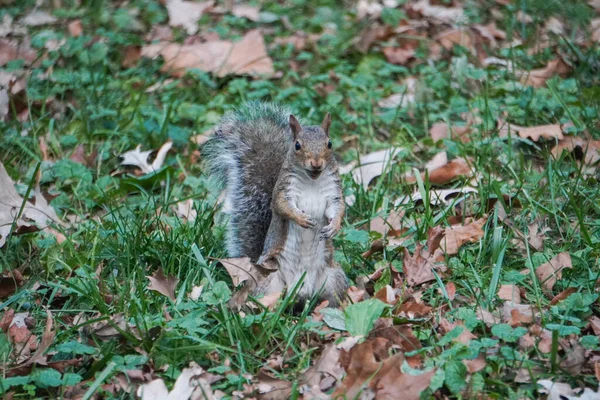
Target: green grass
[{"x": 126, "y": 226}]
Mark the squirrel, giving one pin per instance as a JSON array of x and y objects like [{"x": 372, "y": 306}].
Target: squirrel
[{"x": 283, "y": 197}]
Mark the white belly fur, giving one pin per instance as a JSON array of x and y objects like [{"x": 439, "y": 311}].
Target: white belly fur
[{"x": 304, "y": 252}]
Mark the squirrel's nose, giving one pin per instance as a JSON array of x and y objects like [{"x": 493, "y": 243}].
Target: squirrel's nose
[{"x": 316, "y": 164}]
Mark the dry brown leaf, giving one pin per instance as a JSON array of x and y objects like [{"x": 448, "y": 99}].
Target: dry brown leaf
[
  {"x": 535, "y": 133},
  {"x": 456, "y": 236},
  {"x": 490, "y": 32},
  {"x": 538, "y": 77},
  {"x": 455, "y": 169},
  {"x": 130, "y": 56},
  {"x": 326, "y": 372},
  {"x": 414, "y": 310},
  {"x": 465, "y": 336},
  {"x": 475, "y": 365},
  {"x": 75, "y": 28},
  {"x": 10, "y": 281},
  {"x": 451, "y": 290},
  {"x": 517, "y": 314},
  {"x": 510, "y": 293},
  {"x": 441, "y": 130},
  {"x": 272, "y": 388},
  {"x": 589, "y": 149},
  {"x": 47, "y": 338},
  {"x": 269, "y": 300},
  {"x": 559, "y": 391},
  {"x": 386, "y": 294},
  {"x": 384, "y": 379},
  {"x": 548, "y": 273},
  {"x": 417, "y": 268},
  {"x": 221, "y": 57},
  {"x": 187, "y": 13},
  {"x": 184, "y": 386},
  {"x": 162, "y": 284},
  {"x": 563, "y": 295},
  {"x": 398, "y": 55},
  {"x": 459, "y": 37},
  {"x": 246, "y": 11},
  {"x": 241, "y": 269},
  {"x": 14, "y": 50},
  {"x": 595, "y": 324},
  {"x": 390, "y": 226}
]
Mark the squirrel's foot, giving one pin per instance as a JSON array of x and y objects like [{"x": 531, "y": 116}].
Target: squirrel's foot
[
  {"x": 306, "y": 221},
  {"x": 329, "y": 231}
]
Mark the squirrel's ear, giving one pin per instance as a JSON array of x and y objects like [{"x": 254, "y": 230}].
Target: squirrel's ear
[
  {"x": 326, "y": 123},
  {"x": 295, "y": 125}
]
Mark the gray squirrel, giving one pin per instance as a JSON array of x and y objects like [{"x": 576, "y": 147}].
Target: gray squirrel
[{"x": 283, "y": 197}]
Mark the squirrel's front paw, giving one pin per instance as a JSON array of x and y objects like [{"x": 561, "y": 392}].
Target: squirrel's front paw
[
  {"x": 329, "y": 231},
  {"x": 306, "y": 221}
]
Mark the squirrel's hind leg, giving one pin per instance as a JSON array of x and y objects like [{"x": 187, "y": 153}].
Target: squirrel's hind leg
[{"x": 334, "y": 285}]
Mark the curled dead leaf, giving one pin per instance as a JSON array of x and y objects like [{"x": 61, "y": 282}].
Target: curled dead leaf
[
  {"x": 138, "y": 158},
  {"x": 549, "y": 272},
  {"x": 162, "y": 284}
]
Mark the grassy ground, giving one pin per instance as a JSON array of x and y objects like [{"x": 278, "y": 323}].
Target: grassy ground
[{"x": 124, "y": 227}]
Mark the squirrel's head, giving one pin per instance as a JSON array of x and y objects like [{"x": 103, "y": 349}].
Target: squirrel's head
[{"x": 311, "y": 146}]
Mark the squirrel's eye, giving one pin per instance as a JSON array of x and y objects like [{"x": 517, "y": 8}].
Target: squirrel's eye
[
  {"x": 298, "y": 146},
  {"x": 329, "y": 144}
]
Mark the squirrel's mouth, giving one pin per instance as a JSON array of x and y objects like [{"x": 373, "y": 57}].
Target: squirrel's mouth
[{"x": 314, "y": 173}]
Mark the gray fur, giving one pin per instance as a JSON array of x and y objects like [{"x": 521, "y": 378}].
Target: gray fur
[{"x": 246, "y": 152}]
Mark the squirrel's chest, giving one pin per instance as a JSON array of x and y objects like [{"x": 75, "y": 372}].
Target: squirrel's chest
[{"x": 312, "y": 196}]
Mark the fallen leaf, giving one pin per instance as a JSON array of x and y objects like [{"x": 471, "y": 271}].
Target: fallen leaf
[
  {"x": 459, "y": 37},
  {"x": 10, "y": 281},
  {"x": 595, "y": 324},
  {"x": 130, "y": 56},
  {"x": 269, "y": 300},
  {"x": 538, "y": 77},
  {"x": 563, "y": 295},
  {"x": 246, "y": 11},
  {"x": 548, "y": 273},
  {"x": 185, "y": 210},
  {"x": 196, "y": 293},
  {"x": 326, "y": 371},
  {"x": 38, "y": 18},
  {"x": 272, "y": 388},
  {"x": 518, "y": 314},
  {"x": 370, "y": 166},
  {"x": 465, "y": 335},
  {"x": 386, "y": 294},
  {"x": 384, "y": 378},
  {"x": 187, "y": 13},
  {"x": 561, "y": 391},
  {"x": 398, "y": 55},
  {"x": 139, "y": 158},
  {"x": 535, "y": 133},
  {"x": 75, "y": 28},
  {"x": 184, "y": 386},
  {"x": 37, "y": 215},
  {"x": 241, "y": 269},
  {"x": 439, "y": 197},
  {"x": 417, "y": 268},
  {"x": 586, "y": 149},
  {"x": 221, "y": 57},
  {"x": 475, "y": 365},
  {"x": 452, "y": 15},
  {"x": 510, "y": 293},
  {"x": 455, "y": 236},
  {"x": 162, "y": 284},
  {"x": 401, "y": 100},
  {"x": 14, "y": 50},
  {"x": 47, "y": 339},
  {"x": 441, "y": 130},
  {"x": 413, "y": 310}
]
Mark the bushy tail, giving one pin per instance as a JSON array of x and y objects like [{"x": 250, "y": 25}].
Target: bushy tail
[{"x": 246, "y": 153}]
